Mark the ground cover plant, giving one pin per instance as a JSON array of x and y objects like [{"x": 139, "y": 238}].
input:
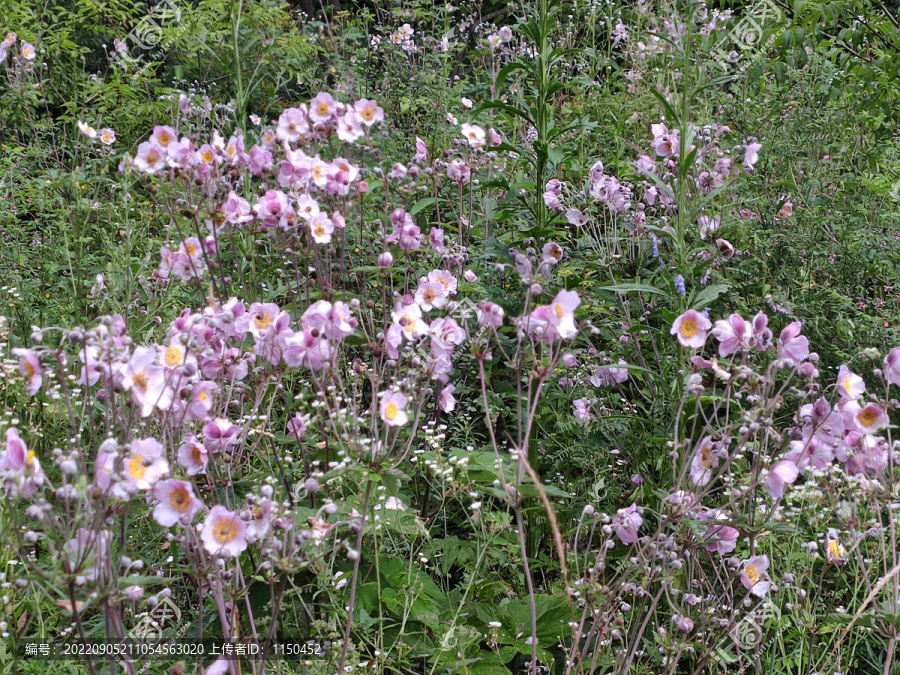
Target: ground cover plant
[{"x": 408, "y": 337}]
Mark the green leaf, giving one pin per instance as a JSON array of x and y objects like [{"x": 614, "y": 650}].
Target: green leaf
[
  {"x": 632, "y": 288},
  {"x": 422, "y": 204},
  {"x": 709, "y": 294}
]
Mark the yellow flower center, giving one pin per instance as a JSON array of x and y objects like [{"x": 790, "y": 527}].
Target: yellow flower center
[
  {"x": 191, "y": 249},
  {"x": 704, "y": 457},
  {"x": 688, "y": 328},
  {"x": 320, "y": 230},
  {"x": 201, "y": 396},
  {"x": 180, "y": 500},
  {"x": 224, "y": 531},
  {"x": 322, "y": 109},
  {"x": 847, "y": 384},
  {"x": 752, "y": 574},
  {"x": 391, "y": 411},
  {"x": 173, "y": 356},
  {"x": 141, "y": 381},
  {"x": 152, "y": 158},
  {"x": 195, "y": 454},
  {"x": 165, "y": 139},
  {"x": 368, "y": 113},
  {"x": 29, "y": 370},
  {"x": 430, "y": 295},
  {"x": 868, "y": 417},
  {"x": 262, "y": 320},
  {"x": 835, "y": 549},
  {"x": 410, "y": 325},
  {"x": 136, "y": 467},
  {"x": 207, "y": 156},
  {"x": 30, "y": 459},
  {"x": 559, "y": 311}
]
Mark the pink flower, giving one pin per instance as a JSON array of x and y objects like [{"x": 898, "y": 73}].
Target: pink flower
[
  {"x": 30, "y": 368},
  {"x": 552, "y": 253},
  {"x": 474, "y": 134},
  {"x": 762, "y": 335},
  {"x": 292, "y": 125},
  {"x": 792, "y": 346},
  {"x": 446, "y": 400},
  {"x": 561, "y": 314},
  {"x": 868, "y": 419},
  {"x": 754, "y": 577},
  {"x": 88, "y": 552},
  {"x": 145, "y": 464},
  {"x": 691, "y": 329},
  {"x": 436, "y": 240},
  {"x": 28, "y": 51},
  {"x": 349, "y": 127},
  {"x": 335, "y": 321},
  {"x": 708, "y": 225},
  {"x": 582, "y": 409},
  {"x": 810, "y": 452},
  {"x": 626, "y": 524},
  {"x": 193, "y": 455},
  {"x": 734, "y": 335},
  {"x": 721, "y": 539},
  {"x": 706, "y": 458},
  {"x": 297, "y": 425},
  {"x": 224, "y": 533},
  {"x": 606, "y": 376},
  {"x": 201, "y": 400},
  {"x": 850, "y": 386},
  {"x": 393, "y": 409},
  {"x": 408, "y": 316},
  {"x": 665, "y": 143},
  {"x": 220, "y": 435},
  {"x": 177, "y": 502},
  {"x": 783, "y": 472},
  {"x": 447, "y": 280},
  {"x": 891, "y": 366},
  {"x": 236, "y": 209},
  {"x": 369, "y": 112},
  {"x": 218, "y": 667},
  {"x": 274, "y": 210},
  {"x": 147, "y": 381},
  {"x": 305, "y": 348},
  {"x": 150, "y": 158},
  {"x": 321, "y": 228},
  {"x": 430, "y": 294},
  {"x": 87, "y": 129},
  {"x": 322, "y": 107},
  {"x": 20, "y": 468},
  {"x": 751, "y": 155},
  {"x": 490, "y": 315},
  {"x": 421, "y": 151}
]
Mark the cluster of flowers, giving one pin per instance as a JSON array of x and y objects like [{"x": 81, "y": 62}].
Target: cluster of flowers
[
  {"x": 657, "y": 201},
  {"x": 106, "y": 136},
  {"x": 27, "y": 50}
]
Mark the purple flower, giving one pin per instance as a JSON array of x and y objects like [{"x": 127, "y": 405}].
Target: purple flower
[{"x": 626, "y": 524}]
